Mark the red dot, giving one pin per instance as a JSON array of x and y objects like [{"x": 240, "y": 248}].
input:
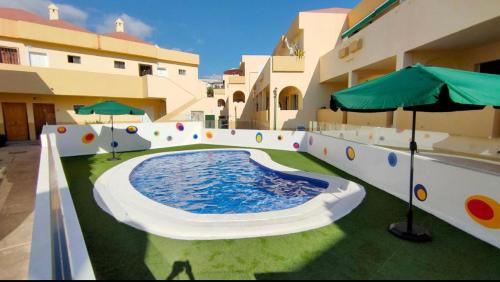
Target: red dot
[{"x": 480, "y": 209}]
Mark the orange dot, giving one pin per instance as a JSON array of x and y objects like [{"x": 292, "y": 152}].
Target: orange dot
[
  {"x": 61, "y": 130},
  {"x": 88, "y": 138}
]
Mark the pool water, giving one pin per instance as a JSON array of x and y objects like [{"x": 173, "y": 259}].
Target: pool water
[{"x": 220, "y": 182}]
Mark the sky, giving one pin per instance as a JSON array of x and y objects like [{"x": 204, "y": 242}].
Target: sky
[{"x": 220, "y": 31}]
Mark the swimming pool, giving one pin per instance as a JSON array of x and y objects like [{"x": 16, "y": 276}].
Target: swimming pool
[
  {"x": 221, "y": 182},
  {"x": 221, "y": 194}
]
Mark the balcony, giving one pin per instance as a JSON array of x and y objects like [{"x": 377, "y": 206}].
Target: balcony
[
  {"x": 288, "y": 64},
  {"x": 236, "y": 79},
  {"x": 48, "y": 81}
]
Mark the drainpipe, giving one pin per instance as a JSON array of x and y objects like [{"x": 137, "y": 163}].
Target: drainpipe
[{"x": 275, "y": 105}]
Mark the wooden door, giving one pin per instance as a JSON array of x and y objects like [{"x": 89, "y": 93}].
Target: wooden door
[
  {"x": 15, "y": 119},
  {"x": 43, "y": 114}
]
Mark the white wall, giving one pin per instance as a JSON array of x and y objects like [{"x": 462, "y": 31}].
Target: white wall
[
  {"x": 448, "y": 187},
  {"x": 70, "y": 143},
  {"x": 248, "y": 138}
]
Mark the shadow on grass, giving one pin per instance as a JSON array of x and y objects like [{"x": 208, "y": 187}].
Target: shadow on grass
[
  {"x": 180, "y": 267},
  {"x": 355, "y": 247},
  {"x": 368, "y": 251}
]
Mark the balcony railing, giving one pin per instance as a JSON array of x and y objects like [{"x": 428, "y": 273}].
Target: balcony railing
[{"x": 288, "y": 64}]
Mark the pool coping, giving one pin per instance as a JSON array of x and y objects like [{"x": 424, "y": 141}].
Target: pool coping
[{"x": 129, "y": 206}]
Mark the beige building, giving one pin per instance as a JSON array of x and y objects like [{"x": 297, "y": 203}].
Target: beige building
[
  {"x": 332, "y": 49},
  {"x": 49, "y": 67}
]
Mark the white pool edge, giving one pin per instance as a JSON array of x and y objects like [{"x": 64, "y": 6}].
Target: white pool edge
[{"x": 115, "y": 194}]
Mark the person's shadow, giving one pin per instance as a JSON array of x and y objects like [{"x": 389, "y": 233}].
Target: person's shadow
[{"x": 180, "y": 267}]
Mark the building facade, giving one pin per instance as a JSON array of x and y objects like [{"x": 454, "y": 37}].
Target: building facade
[
  {"x": 49, "y": 67},
  {"x": 332, "y": 49}
]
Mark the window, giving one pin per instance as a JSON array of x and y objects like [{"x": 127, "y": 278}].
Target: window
[
  {"x": 161, "y": 71},
  {"x": 182, "y": 72},
  {"x": 119, "y": 65},
  {"x": 221, "y": 103},
  {"x": 77, "y": 107},
  {"x": 38, "y": 59},
  {"x": 9, "y": 56},
  {"x": 74, "y": 59},
  {"x": 145, "y": 70},
  {"x": 492, "y": 67}
]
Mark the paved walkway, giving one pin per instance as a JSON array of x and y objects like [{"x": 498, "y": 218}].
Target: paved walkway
[
  {"x": 486, "y": 166},
  {"x": 18, "y": 175}
]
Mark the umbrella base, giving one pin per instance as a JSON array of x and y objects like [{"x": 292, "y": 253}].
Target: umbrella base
[
  {"x": 114, "y": 159},
  {"x": 418, "y": 234}
]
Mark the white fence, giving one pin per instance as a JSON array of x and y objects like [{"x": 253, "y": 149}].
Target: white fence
[
  {"x": 467, "y": 199},
  {"x": 58, "y": 248}
]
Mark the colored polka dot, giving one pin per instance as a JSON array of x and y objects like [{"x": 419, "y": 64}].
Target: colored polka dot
[
  {"x": 280, "y": 138},
  {"x": 399, "y": 130},
  {"x": 209, "y": 135},
  {"x": 296, "y": 145},
  {"x": 114, "y": 144},
  {"x": 427, "y": 136},
  {"x": 157, "y": 133},
  {"x": 392, "y": 159},
  {"x": 350, "y": 153},
  {"x": 381, "y": 138},
  {"x": 233, "y": 132},
  {"x": 61, "y": 130},
  {"x": 325, "y": 151},
  {"x": 370, "y": 136},
  {"x": 420, "y": 192},
  {"x": 480, "y": 209},
  {"x": 88, "y": 138},
  {"x": 195, "y": 136},
  {"x": 169, "y": 138},
  {"x": 259, "y": 137},
  {"x": 484, "y": 210},
  {"x": 132, "y": 129},
  {"x": 311, "y": 141},
  {"x": 179, "y": 126}
]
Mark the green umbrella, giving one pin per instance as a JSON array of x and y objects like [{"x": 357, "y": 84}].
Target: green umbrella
[
  {"x": 425, "y": 89},
  {"x": 110, "y": 108}
]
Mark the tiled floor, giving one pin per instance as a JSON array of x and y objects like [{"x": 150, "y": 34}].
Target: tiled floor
[{"x": 18, "y": 175}]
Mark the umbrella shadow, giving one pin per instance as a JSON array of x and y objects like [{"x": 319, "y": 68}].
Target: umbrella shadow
[{"x": 124, "y": 139}]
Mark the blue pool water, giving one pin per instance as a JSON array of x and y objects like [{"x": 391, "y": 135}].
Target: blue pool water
[{"x": 220, "y": 182}]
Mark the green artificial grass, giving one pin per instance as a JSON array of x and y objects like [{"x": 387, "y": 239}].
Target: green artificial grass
[{"x": 355, "y": 247}]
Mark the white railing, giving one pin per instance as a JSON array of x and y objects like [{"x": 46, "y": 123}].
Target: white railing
[{"x": 58, "y": 250}]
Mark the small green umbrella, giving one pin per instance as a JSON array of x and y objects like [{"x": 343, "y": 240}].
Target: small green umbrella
[
  {"x": 425, "y": 89},
  {"x": 113, "y": 109}
]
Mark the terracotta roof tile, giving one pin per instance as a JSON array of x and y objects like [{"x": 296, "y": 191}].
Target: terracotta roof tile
[
  {"x": 126, "y": 36},
  {"x": 21, "y": 15}
]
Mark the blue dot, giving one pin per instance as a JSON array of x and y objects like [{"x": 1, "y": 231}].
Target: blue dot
[
  {"x": 114, "y": 144},
  {"x": 195, "y": 136},
  {"x": 393, "y": 159}
]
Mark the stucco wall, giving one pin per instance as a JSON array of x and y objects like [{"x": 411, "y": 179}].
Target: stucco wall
[
  {"x": 65, "y": 114},
  {"x": 444, "y": 190},
  {"x": 448, "y": 188}
]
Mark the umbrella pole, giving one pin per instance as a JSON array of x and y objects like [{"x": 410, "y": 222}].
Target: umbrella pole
[
  {"x": 407, "y": 230},
  {"x": 114, "y": 158}
]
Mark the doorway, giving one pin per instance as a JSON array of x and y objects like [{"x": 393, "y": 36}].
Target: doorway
[
  {"x": 43, "y": 114},
  {"x": 15, "y": 119}
]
